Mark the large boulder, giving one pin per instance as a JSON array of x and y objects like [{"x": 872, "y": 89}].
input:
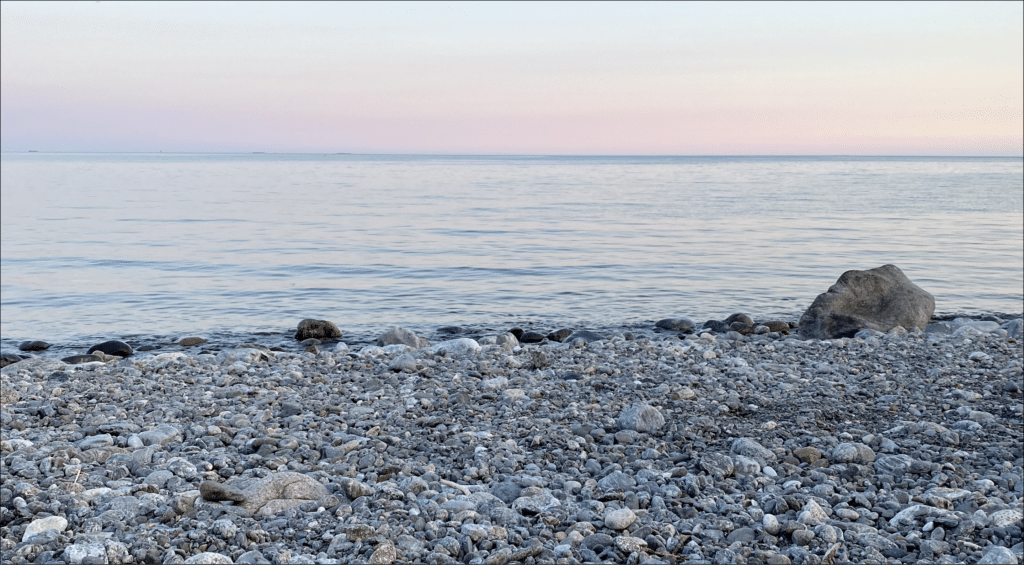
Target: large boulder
[
  {"x": 317, "y": 329},
  {"x": 878, "y": 299},
  {"x": 275, "y": 493}
]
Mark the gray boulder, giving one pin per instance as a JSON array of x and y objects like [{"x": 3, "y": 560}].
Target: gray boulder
[
  {"x": 460, "y": 347},
  {"x": 397, "y": 335},
  {"x": 878, "y": 299},
  {"x": 278, "y": 492},
  {"x": 317, "y": 329}
]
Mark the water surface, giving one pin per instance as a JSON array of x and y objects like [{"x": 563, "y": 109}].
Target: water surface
[{"x": 123, "y": 244}]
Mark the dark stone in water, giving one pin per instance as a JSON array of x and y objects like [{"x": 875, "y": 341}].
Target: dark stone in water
[
  {"x": 745, "y": 319},
  {"x": 113, "y": 347},
  {"x": 530, "y": 337},
  {"x": 8, "y": 359},
  {"x": 450, "y": 330},
  {"x": 319, "y": 329},
  {"x": 148, "y": 348},
  {"x": 518, "y": 332},
  {"x": 684, "y": 325},
  {"x": 777, "y": 326},
  {"x": 742, "y": 328},
  {"x": 76, "y": 359},
  {"x": 34, "y": 346},
  {"x": 716, "y": 326},
  {"x": 559, "y": 335}
]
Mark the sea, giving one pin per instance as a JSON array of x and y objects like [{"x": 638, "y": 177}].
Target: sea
[{"x": 241, "y": 247}]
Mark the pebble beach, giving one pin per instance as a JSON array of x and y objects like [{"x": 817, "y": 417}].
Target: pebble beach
[{"x": 641, "y": 446}]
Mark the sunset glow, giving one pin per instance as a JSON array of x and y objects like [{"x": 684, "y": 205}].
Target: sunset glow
[{"x": 510, "y": 78}]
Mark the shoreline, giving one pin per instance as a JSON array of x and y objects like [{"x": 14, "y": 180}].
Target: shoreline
[
  {"x": 283, "y": 340},
  {"x": 891, "y": 448}
]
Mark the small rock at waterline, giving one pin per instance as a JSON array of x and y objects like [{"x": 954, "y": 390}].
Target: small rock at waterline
[
  {"x": 530, "y": 337},
  {"x": 319, "y": 329},
  {"x": 716, "y": 326},
  {"x": 191, "y": 341},
  {"x": 777, "y": 326},
  {"x": 8, "y": 359},
  {"x": 113, "y": 347},
  {"x": 742, "y": 318},
  {"x": 78, "y": 359},
  {"x": 398, "y": 335},
  {"x": 586, "y": 335},
  {"x": 684, "y": 325},
  {"x": 34, "y": 346},
  {"x": 559, "y": 335}
]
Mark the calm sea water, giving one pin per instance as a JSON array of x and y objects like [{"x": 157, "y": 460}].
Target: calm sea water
[{"x": 161, "y": 244}]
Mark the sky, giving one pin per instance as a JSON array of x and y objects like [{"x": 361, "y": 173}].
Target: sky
[{"x": 661, "y": 78}]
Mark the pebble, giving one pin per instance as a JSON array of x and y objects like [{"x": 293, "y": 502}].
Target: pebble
[
  {"x": 661, "y": 448},
  {"x": 191, "y": 341},
  {"x": 641, "y": 418},
  {"x": 619, "y": 519},
  {"x": 40, "y": 525}
]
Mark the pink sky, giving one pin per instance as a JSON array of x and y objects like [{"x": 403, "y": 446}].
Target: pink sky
[{"x": 508, "y": 78}]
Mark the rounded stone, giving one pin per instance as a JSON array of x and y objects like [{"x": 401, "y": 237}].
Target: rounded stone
[
  {"x": 684, "y": 325},
  {"x": 34, "y": 346},
  {"x": 113, "y": 347},
  {"x": 530, "y": 337},
  {"x": 803, "y": 537},
  {"x": 749, "y": 447},
  {"x": 319, "y": 329},
  {"x": 619, "y": 519},
  {"x": 807, "y": 454},
  {"x": 642, "y": 418},
  {"x": 852, "y": 453}
]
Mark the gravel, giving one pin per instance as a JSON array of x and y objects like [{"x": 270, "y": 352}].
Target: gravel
[{"x": 696, "y": 448}]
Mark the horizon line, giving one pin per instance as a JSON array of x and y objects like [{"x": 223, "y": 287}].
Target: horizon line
[{"x": 399, "y": 154}]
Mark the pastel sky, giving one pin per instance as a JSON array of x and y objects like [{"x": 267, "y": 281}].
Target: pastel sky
[{"x": 686, "y": 78}]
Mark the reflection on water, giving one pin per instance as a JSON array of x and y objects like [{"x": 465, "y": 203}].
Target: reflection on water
[{"x": 110, "y": 244}]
